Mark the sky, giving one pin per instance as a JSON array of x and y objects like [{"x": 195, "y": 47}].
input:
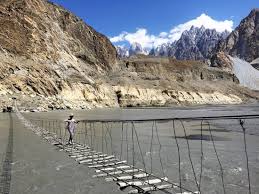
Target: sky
[{"x": 154, "y": 22}]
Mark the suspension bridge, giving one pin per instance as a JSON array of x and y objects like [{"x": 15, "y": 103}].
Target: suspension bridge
[{"x": 170, "y": 155}]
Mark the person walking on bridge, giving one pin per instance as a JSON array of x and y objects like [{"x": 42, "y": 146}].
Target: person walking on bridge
[{"x": 71, "y": 127}]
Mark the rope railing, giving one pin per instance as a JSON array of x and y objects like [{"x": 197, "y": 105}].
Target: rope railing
[
  {"x": 225, "y": 117},
  {"x": 171, "y": 155}
]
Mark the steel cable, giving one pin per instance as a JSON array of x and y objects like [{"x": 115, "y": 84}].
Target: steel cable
[
  {"x": 201, "y": 138},
  {"x": 159, "y": 152},
  {"x": 179, "y": 157},
  {"x": 189, "y": 155},
  {"x": 247, "y": 161},
  {"x": 220, "y": 165}
]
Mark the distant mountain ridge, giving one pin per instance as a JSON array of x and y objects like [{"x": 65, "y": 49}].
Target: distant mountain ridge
[
  {"x": 134, "y": 49},
  {"x": 194, "y": 44}
]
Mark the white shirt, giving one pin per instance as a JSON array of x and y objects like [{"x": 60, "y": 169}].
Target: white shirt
[{"x": 71, "y": 125}]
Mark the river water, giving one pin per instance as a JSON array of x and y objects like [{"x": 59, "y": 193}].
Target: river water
[{"x": 154, "y": 147}]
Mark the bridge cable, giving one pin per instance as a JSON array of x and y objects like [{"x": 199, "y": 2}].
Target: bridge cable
[
  {"x": 140, "y": 150},
  {"x": 215, "y": 150},
  {"x": 179, "y": 157},
  {"x": 247, "y": 161},
  {"x": 189, "y": 155},
  {"x": 202, "y": 156},
  {"x": 159, "y": 152},
  {"x": 122, "y": 140}
]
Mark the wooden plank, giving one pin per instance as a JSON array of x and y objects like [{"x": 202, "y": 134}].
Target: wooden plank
[
  {"x": 111, "y": 168},
  {"x": 96, "y": 155},
  {"x": 76, "y": 156},
  {"x": 83, "y": 154},
  {"x": 115, "y": 172},
  {"x": 107, "y": 157},
  {"x": 83, "y": 148},
  {"x": 99, "y": 159},
  {"x": 102, "y": 161},
  {"x": 123, "y": 167},
  {"x": 152, "y": 188},
  {"x": 109, "y": 164},
  {"x": 127, "y": 177},
  {"x": 141, "y": 175},
  {"x": 87, "y": 156},
  {"x": 141, "y": 183},
  {"x": 91, "y": 157},
  {"x": 106, "y": 174},
  {"x": 77, "y": 150},
  {"x": 71, "y": 150}
]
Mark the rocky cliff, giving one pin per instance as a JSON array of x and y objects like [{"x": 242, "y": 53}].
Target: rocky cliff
[
  {"x": 45, "y": 48},
  {"x": 243, "y": 42},
  {"x": 51, "y": 59},
  {"x": 40, "y": 30}
]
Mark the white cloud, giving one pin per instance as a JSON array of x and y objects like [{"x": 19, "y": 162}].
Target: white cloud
[
  {"x": 142, "y": 37},
  {"x": 202, "y": 20},
  {"x": 148, "y": 41},
  {"x": 119, "y": 38},
  {"x": 163, "y": 34}
]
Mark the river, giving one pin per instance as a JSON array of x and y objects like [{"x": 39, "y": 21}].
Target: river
[{"x": 155, "y": 148}]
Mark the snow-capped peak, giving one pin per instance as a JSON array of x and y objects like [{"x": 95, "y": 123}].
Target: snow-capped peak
[{"x": 196, "y": 43}]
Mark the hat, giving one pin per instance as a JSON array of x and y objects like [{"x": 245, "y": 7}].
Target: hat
[{"x": 71, "y": 115}]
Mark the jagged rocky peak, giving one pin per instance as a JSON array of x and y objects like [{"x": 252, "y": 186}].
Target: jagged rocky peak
[
  {"x": 194, "y": 33},
  {"x": 136, "y": 49},
  {"x": 197, "y": 43},
  {"x": 161, "y": 50},
  {"x": 42, "y": 30},
  {"x": 243, "y": 42},
  {"x": 123, "y": 51}
]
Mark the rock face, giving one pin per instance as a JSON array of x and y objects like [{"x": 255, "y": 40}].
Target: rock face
[
  {"x": 153, "y": 81},
  {"x": 136, "y": 49},
  {"x": 44, "y": 49},
  {"x": 162, "y": 50},
  {"x": 123, "y": 52},
  {"x": 222, "y": 61},
  {"x": 243, "y": 42},
  {"x": 196, "y": 44},
  {"x": 43, "y": 31},
  {"x": 255, "y": 63},
  {"x": 135, "y": 96}
]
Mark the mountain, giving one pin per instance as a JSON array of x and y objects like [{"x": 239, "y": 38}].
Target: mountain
[
  {"x": 243, "y": 42},
  {"x": 194, "y": 44},
  {"x": 123, "y": 52},
  {"x": 162, "y": 50},
  {"x": 136, "y": 49},
  {"x": 239, "y": 52},
  {"x": 39, "y": 29},
  {"x": 46, "y": 51}
]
